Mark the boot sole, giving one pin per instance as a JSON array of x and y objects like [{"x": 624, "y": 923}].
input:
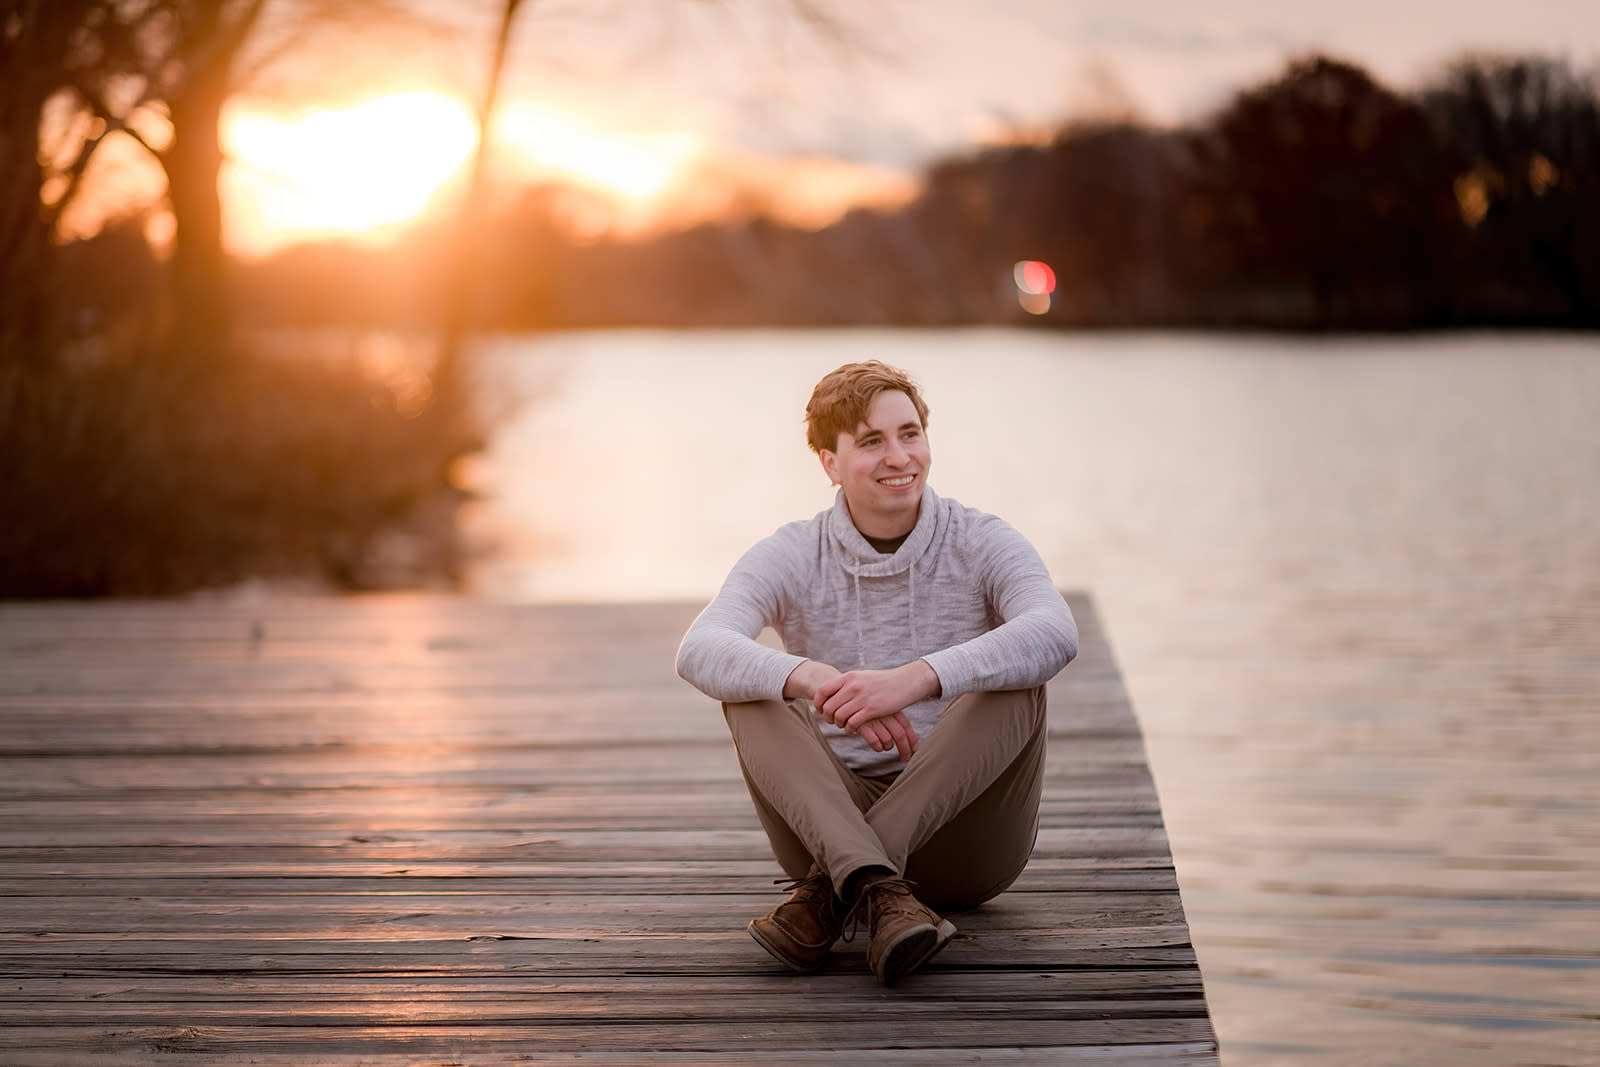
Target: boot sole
[{"x": 911, "y": 950}]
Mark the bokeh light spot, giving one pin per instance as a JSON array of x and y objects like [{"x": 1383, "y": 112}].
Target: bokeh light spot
[
  {"x": 1035, "y": 277},
  {"x": 1035, "y": 282}
]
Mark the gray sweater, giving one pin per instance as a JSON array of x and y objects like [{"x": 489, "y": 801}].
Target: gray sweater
[{"x": 965, "y": 592}]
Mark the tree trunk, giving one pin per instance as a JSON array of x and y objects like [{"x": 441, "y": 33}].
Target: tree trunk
[
  {"x": 200, "y": 278},
  {"x": 461, "y": 280},
  {"x": 27, "y": 299},
  {"x": 211, "y": 36},
  {"x": 33, "y": 42}
]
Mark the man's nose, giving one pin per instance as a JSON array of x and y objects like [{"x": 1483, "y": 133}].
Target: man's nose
[{"x": 897, "y": 453}]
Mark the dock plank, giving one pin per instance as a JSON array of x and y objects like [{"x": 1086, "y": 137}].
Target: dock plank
[{"x": 428, "y": 829}]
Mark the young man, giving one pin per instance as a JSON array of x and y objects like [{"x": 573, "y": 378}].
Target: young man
[{"x": 894, "y": 749}]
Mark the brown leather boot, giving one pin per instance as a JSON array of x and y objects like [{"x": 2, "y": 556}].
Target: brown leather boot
[
  {"x": 905, "y": 932},
  {"x": 801, "y": 931}
]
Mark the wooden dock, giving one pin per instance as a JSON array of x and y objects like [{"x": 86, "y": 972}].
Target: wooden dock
[{"x": 434, "y": 830}]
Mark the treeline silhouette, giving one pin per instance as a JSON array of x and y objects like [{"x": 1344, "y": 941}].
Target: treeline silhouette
[{"x": 1320, "y": 200}]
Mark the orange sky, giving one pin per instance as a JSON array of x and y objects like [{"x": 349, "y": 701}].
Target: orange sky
[
  {"x": 367, "y": 169},
  {"x": 667, "y": 109},
  {"x": 670, "y": 111}
]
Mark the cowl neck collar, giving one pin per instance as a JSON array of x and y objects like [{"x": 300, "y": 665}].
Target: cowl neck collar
[{"x": 861, "y": 559}]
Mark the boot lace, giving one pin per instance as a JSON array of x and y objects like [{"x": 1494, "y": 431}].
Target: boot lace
[
  {"x": 811, "y": 882},
  {"x": 878, "y": 899}
]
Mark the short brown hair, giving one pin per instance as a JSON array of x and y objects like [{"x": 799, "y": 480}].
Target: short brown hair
[{"x": 840, "y": 401}]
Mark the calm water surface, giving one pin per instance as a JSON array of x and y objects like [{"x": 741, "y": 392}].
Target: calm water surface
[{"x": 1354, "y": 586}]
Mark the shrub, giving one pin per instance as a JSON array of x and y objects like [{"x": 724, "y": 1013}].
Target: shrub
[{"x": 155, "y": 476}]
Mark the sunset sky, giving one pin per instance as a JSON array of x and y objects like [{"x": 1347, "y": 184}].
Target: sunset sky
[
  {"x": 925, "y": 76},
  {"x": 652, "y": 103}
]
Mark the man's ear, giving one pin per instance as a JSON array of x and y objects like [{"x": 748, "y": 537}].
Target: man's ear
[{"x": 830, "y": 465}]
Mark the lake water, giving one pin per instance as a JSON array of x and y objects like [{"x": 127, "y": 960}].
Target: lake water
[{"x": 1354, "y": 586}]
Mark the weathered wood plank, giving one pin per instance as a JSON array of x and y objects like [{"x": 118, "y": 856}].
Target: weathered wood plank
[
  {"x": 564, "y": 957},
  {"x": 373, "y": 830},
  {"x": 845, "y": 1037},
  {"x": 1197, "y": 1052},
  {"x": 171, "y": 990}
]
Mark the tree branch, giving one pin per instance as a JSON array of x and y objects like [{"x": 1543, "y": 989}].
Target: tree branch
[{"x": 75, "y": 171}]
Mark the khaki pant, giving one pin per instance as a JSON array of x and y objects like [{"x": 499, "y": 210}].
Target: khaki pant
[{"x": 960, "y": 821}]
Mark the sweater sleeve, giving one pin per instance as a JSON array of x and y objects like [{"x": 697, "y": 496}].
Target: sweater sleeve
[
  {"x": 1037, "y": 635},
  {"x": 720, "y": 655}
]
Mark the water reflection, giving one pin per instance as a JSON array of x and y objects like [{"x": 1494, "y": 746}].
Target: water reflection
[{"x": 1354, "y": 586}]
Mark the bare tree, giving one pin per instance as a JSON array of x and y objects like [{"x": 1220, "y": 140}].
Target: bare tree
[
  {"x": 1330, "y": 193},
  {"x": 36, "y": 56},
  {"x": 817, "y": 15},
  {"x": 181, "y": 60},
  {"x": 461, "y": 278},
  {"x": 1529, "y": 132}
]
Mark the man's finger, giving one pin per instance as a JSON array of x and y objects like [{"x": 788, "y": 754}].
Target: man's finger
[
  {"x": 841, "y": 708},
  {"x": 901, "y": 744},
  {"x": 905, "y": 738},
  {"x": 860, "y": 715}
]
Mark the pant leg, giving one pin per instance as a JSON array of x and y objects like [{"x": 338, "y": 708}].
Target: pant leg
[
  {"x": 811, "y": 806},
  {"x": 961, "y": 820}
]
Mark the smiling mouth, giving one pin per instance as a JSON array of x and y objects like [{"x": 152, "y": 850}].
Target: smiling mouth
[{"x": 899, "y": 482}]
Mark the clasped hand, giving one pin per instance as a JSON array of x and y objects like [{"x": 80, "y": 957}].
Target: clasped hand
[{"x": 872, "y": 703}]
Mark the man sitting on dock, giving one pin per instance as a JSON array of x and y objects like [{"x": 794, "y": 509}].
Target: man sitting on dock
[{"x": 894, "y": 749}]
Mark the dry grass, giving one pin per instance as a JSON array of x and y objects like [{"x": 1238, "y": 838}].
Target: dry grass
[{"x": 151, "y": 476}]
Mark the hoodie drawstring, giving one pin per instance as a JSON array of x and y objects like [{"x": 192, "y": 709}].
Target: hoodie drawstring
[
  {"x": 912, "y": 573},
  {"x": 861, "y": 642}
]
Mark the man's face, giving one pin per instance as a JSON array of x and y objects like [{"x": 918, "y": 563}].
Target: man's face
[{"x": 882, "y": 466}]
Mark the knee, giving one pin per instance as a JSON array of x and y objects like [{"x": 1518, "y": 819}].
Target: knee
[
  {"x": 1024, "y": 703},
  {"x": 747, "y": 707},
  {"x": 947, "y": 890},
  {"x": 745, "y": 712},
  {"x": 769, "y": 727},
  {"x": 1016, "y": 715}
]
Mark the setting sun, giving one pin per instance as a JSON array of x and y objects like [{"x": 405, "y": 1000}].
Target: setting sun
[
  {"x": 354, "y": 170},
  {"x": 365, "y": 169}
]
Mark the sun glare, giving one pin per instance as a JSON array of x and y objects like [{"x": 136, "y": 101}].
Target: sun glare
[
  {"x": 365, "y": 170},
  {"x": 632, "y": 167},
  {"x": 356, "y": 170}
]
